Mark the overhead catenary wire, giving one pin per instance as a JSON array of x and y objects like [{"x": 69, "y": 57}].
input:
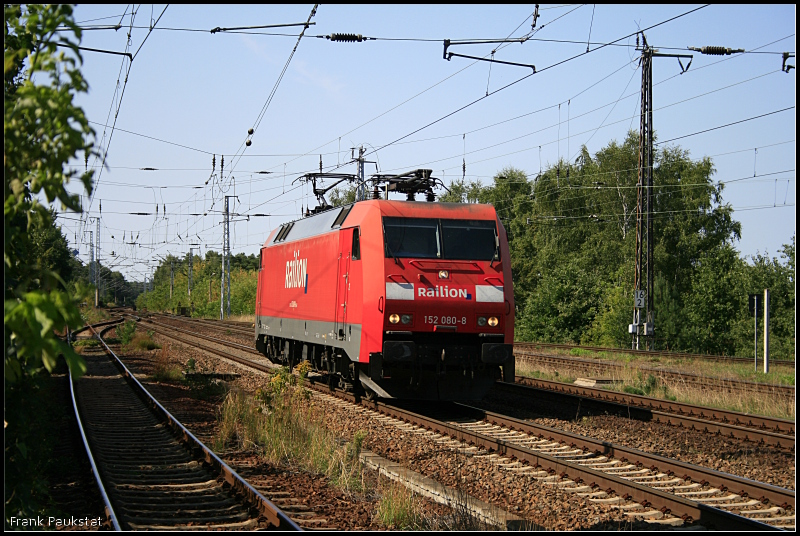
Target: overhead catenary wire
[
  {"x": 472, "y": 143},
  {"x": 314, "y": 150},
  {"x": 635, "y": 60},
  {"x": 520, "y": 25},
  {"x": 116, "y": 115},
  {"x": 272, "y": 93},
  {"x": 726, "y": 125},
  {"x": 148, "y": 33},
  {"x": 426, "y": 139},
  {"x": 557, "y": 124},
  {"x": 528, "y": 76},
  {"x": 119, "y": 103}
]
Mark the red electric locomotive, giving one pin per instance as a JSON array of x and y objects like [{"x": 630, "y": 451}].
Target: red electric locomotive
[{"x": 408, "y": 299}]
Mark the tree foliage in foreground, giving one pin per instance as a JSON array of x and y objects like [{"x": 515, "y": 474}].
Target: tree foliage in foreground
[{"x": 42, "y": 130}]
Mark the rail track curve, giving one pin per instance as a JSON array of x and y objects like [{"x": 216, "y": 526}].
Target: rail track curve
[{"x": 155, "y": 474}]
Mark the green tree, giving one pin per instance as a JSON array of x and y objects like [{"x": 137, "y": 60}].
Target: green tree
[
  {"x": 461, "y": 191},
  {"x": 572, "y": 236},
  {"x": 343, "y": 195},
  {"x": 777, "y": 275},
  {"x": 714, "y": 302},
  {"x": 42, "y": 130},
  {"x": 669, "y": 317}
]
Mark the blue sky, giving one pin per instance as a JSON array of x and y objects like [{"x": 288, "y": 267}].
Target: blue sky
[{"x": 201, "y": 92}]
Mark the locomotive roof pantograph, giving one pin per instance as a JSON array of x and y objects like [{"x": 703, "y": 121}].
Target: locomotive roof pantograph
[{"x": 417, "y": 181}]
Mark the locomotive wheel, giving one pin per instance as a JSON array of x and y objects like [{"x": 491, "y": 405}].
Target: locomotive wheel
[{"x": 345, "y": 385}]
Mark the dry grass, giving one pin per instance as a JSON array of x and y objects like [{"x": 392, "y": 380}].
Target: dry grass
[
  {"x": 778, "y": 374},
  {"x": 282, "y": 423},
  {"x": 632, "y": 380},
  {"x": 92, "y": 315},
  {"x": 164, "y": 370},
  {"x": 242, "y": 318},
  {"x": 400, "y": 508},
  {"x": 144, "y": 341}
]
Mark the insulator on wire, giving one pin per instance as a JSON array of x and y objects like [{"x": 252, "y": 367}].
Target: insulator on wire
[
  {"x": 345, "y": 37},
  {"x": 717, "y": 51}
]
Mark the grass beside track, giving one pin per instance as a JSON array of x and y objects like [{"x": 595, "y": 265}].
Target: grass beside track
[
  {"x": 283, "y": 425},
  {"x": 778, "y": 374},
  {"x": 632, "y": 380}
]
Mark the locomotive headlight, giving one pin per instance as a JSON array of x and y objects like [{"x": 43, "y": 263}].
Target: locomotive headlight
[
  {"x": 394, "y": 319},
  {"x": 493, "y": 321},
  {"x": 444, "y": 274},
  {"x": 405, "y": 319},
  {"x": 481, "y": 321}
]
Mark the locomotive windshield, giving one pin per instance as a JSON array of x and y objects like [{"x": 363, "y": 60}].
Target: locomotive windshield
[
  {"x": 412, "y": 237},
  {"x": 427, "y": 238},
  {"x": 469, "y": 240}
]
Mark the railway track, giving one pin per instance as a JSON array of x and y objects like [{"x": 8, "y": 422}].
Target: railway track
[
  {"x": 153, "y": 473},
  {"x": 593, "y": 366},
  {"x": 759, "y": 429},
  {"x": 644, "y": 486},
  {"x": 756, "y": 428},
  {"x": 247, "y": 328},
  {"x": 532, "y": 346}
]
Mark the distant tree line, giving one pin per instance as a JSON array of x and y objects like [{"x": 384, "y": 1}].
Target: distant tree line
[
  {"x": 572, "y": 233},
  {"x": 205, "y": 292}
]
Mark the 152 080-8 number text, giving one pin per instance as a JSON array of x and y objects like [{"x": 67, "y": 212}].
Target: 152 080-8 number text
[{"x": 446, "y": 320}]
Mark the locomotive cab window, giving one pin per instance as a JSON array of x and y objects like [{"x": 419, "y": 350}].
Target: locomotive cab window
[
  {"x": 412, "y": 237},
  {"x": 355, "y": 251},
  {"x": 470, "y": 240},
  {"x": 428, "y": 238}
]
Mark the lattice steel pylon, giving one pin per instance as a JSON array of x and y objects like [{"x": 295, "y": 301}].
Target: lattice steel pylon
[
  {"x": 226, "y": 258},
  {"x": 642, "y": 327}
]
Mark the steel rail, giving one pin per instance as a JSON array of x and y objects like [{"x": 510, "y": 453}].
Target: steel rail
[
  {"x": 761, "y": 429},
  {"x": 245, "y": 327},
  {"x": 110, "y": 514},
  {"x": 762, "y": 491},
  {"x": 588, "y": 364},
  {"x": 264, "y": 505},
  {"x": 228, "y": 323},
  {"x": 238, "y": 327},
  {"x": 654, "y": 353},
  {"x": 684, "y": 377},
  {"x": 238, "y": 346},
  {"x": 670, "y": 503},
  {"x": 97, "y": 325}
]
